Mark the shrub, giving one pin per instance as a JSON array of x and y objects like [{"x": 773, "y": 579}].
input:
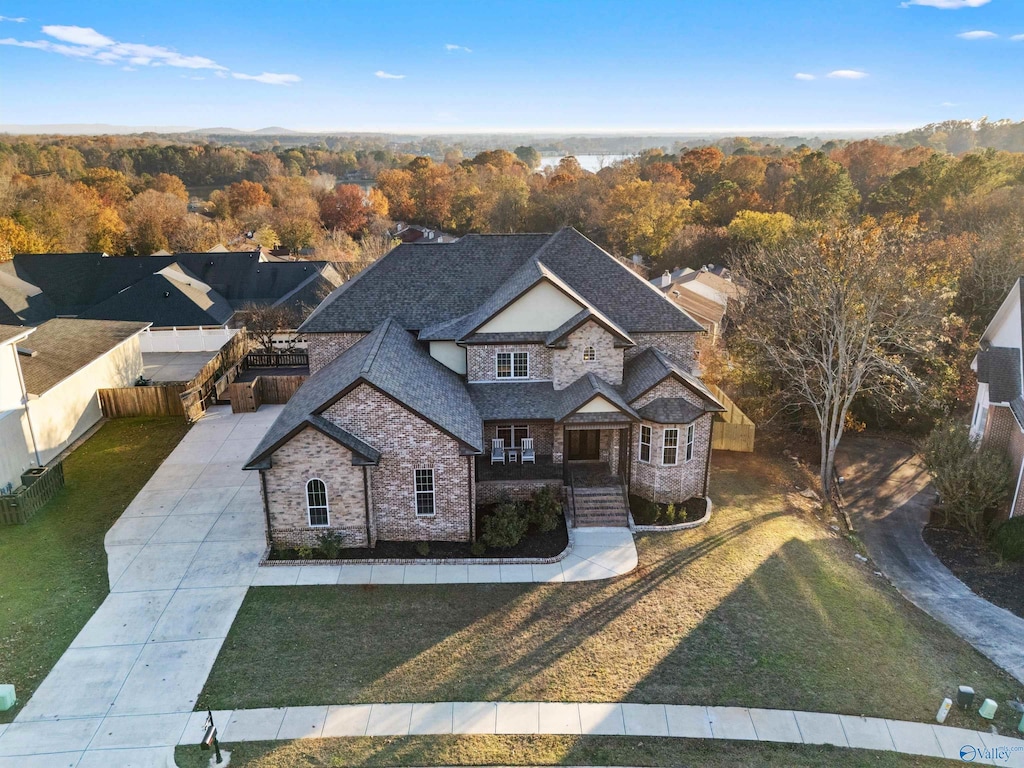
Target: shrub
[
  {"x": 645, "y": 512},
  {"x": 971, "y": 480},
  {"x": 544, "y": 510},
  {"x": 477, "y": 548},
  {"x": 668, "y": 517},
  {"x": 423, "y": 548},
  {"x": 1008, "y": 539},
  {"x": 330, "y": 543},
  {"x": 304, "y": 552},
  {"x": 505, "y": 527}
]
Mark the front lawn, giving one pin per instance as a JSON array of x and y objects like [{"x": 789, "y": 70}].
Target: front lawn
[
  {"x": 765, "y": 606},
  {"x": 54, "y": 568},
  {"x": 543, "y": 750}
]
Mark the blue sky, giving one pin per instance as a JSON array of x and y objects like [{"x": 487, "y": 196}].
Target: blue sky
[{"x": 688, "y": 65}]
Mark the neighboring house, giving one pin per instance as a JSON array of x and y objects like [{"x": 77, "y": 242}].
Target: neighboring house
[
  {"x": 998, "y": 416},
  {"x": 182, "y": 290},
  {"x": 430, "y": 354},
  {"x": 414, "y": 233},
  {"x": 49, "y": 376},
  {"x": 704, "y": 294}
]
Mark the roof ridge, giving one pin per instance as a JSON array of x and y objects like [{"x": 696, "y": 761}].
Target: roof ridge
[{"x": 371, "y": 356}]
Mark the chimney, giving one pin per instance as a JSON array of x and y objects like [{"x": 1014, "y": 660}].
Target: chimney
[{"x": 665, "y": 280}]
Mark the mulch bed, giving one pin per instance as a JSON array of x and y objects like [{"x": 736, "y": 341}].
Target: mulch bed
[
  {"x": 977, "y": 565},
  {"x": 695, "y": 508},
  {"x": 534, "y": 545}
]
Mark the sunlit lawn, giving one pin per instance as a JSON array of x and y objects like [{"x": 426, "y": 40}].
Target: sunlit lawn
[
  {"x": 763, "y": 607},
  {"x": 544, "y": 750},
  {"x": 53, "y": 570}
]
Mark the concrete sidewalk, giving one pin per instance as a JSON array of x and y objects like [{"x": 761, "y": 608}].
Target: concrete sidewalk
[
  {"x": 888, "y": 496},
  {"x": 116, "y": 742}
]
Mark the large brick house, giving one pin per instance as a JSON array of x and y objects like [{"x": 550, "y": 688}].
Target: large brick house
[
  {"x": 998, "y": 417},
  {"x": 430, "y": 354}
]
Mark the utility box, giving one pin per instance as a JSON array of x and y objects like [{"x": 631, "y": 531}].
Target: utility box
[
  {"x": 7, "y": 697},
  {"x": 964, "y": 697}
]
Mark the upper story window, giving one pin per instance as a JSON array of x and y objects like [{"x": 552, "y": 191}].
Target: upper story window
[
  {"x": 316, "y": 504},
  {"x": 512, "y": 365},
  {"x": 589, "y": 354},
  {"x": 645, "y": 443},
  {"x": 670, "y": 447},
  {"x": 424, "y": 493}
]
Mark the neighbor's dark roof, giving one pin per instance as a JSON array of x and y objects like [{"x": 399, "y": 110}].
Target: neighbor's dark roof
[
  {"x": 8, "y": 332},
  {"x": 63, "y": 346},
  {"x": 165, "y": 302},
  {"x": 999, "y": 367},
  {"x": 671, "y": 410},
  {"x": 390, "y": 359},
  {"x": 425, "y": 288},
  {"x": 652, "y": 366},
  {"x": 72, "y": 283}
]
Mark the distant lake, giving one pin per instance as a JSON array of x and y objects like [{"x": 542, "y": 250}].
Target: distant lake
[{"x": 592, "y": 163}]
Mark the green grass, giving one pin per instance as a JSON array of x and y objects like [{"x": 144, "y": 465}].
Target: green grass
[
  {"x": 54, "y": 568},
  {"x": 543, "y": 750},
  {"x": 763, "y": 607}
]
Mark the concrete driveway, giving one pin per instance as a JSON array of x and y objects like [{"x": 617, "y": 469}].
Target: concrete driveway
[
  {"x": 888, "y": 495},
  {"x": 180, "y": 560}
]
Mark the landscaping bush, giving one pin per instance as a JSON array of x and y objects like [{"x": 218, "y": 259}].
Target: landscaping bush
[
  {"x": 423, "y": 548},
  {"x": 505, "y": 527},
  {"x": 544, "y": 509},
  {"x": 329, "y": 544},
  {"x": 668, "y": 515},
  {"x": 478, "y": 548},
  {"x": 304, "y": 552},
  {"x": 1008, "y": 539},
  {"x": 971, "y": 480},
  {"x": 645, "y": 512}
]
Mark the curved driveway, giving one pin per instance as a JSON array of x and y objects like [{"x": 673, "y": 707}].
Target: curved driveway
[{"x": 888, "y": 495}]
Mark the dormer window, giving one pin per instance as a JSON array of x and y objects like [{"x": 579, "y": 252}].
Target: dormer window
[
  {"x": 589, "y": 354},
  {"x": 512, "y": 365}
]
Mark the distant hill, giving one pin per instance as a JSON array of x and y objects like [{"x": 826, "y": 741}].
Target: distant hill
[{"x": 92, "y": 129}]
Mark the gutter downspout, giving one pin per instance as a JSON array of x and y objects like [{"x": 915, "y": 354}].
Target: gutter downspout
[
  {"x": 472, "y": 497},
  {"x": 266, "y": 506},
  {"x": 24, "y": 402},
  {"x": 707, "y": 456}
]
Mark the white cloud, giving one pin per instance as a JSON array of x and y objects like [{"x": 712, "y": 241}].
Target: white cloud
[
  {"x": 270, "y": 78},
  {"x": 387, "y": 75},
  {"x": 78, "y": 35},
  {"x": 1017, "y": 38},
  {"x": 947, "y": 5},
  {"x": 948, "y": 104},
  {"x": 847, "y": 74},
  {"x": 977, "y": 34},
  {"x": 15, "y": 19},
  {"x": 454, "y": 47},
  {"x": 804, "y": 76}
]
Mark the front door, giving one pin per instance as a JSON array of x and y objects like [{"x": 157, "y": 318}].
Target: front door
[{"x": 584, "y": 444}]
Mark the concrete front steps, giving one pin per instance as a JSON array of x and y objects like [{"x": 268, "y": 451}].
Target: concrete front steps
[{"x": 600, "y": 507}]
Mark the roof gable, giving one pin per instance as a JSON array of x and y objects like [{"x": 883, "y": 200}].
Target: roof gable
[{"x": 652, "y": 366}]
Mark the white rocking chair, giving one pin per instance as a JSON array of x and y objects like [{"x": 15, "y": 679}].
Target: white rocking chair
[
  {"x": 497, "y": 451},
  {"x": 529, "y": 455}
]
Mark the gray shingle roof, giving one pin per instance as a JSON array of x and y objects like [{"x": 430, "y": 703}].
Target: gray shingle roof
[
  {"x": 8, "y": 332},
  {"x": 584, "y": 389},
  {"x": 521, "y": 400},
  {"x": 390, "y": 359},
  {"x": 999, "y": 367},
  {"x": 561, "y": 333},
  {"x": 425, "y": 288},
  {"x": 63, "y": 346},
  {"x": 671, "y": 410},
  {"x": 652, "y": 366},
  {"x": 165, "y": 302}
]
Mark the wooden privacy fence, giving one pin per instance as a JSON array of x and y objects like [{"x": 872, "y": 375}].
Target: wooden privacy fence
[
  {"x": 123, "y": 402},
  {"x": 732, "y": 430},
  {"x": 247, "y": 396}
]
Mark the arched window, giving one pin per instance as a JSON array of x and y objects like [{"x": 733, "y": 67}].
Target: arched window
[
  {"x": 589, "y": 354},
  {"x": 316, "y": 503}
]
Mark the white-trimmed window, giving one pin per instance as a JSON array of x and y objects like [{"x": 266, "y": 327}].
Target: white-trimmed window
[
  {"x": 589, "y": 354},
  {"x": 512, "y": 365},
  {"x": 512, "y": 434},
  {"x": 645, "y": 444},
  {"x": 424, "y": 493},
  {"x": 316, "y": 504},
  {"x": 690, "y": 434},
  {"x": 670, "y": 446}
]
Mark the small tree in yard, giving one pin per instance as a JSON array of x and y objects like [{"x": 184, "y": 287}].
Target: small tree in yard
[
  {"x": 971, "y": 479},
  {"x": 263, "y": 322},
  {"x": 840, "y": 315}
]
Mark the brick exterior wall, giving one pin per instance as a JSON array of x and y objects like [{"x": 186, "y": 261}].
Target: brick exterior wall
[
  {"x": 542, "y": 433},
  {"x": 568, "y": 364},
  {"x": 667, "y": 388},
  {"x": 408, "y": 443},
  {"x": 481, "y": 361},
  {"x": 1000, "y": 428},
  {"x": 325, "y": 347},
  {"x": 310, "y": 455},
  {"x": 490, "y": 491},
  {"x": 671, "y": 483},
  {"x": 680, "y": 346}
]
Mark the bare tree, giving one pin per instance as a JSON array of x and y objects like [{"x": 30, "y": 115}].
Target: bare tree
[
  {"x": 842, "y": 315},
  {"x": 264, "y": 322}
]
